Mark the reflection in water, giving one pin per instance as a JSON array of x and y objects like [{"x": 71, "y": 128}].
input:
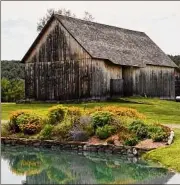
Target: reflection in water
[{"x": 42, "y": 166}]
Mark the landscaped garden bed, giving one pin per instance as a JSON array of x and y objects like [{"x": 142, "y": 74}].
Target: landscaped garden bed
[{"x": 109, "y": 126}]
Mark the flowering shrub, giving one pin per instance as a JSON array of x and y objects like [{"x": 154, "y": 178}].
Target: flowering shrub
[
  {"x": 122, "y": 111},
  {"x": 119, "y": 111},
  {"x": 14, "y": 119},
  {"x": 56, "y": 114},
  {"x": 74, "y": 111},
  {"x": 29, "y": 123}
]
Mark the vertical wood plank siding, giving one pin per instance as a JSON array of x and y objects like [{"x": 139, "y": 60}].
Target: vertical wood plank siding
[
  {"x": 60, "y": 69},
  {"x": 154, "y": 81}
]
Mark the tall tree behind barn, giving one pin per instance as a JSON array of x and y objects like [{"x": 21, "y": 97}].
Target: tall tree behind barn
[{"x": 77, "y": 59}]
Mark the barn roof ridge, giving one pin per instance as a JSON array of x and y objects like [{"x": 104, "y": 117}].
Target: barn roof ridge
[
  {"x": 102, "y": 24},
  {"x": 119, "y": 45}
]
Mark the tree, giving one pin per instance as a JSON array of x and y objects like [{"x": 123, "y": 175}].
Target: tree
[
  {"x": 12, "y": 90},
  {"x": 42, "y": 21},
  {"x": 88, "y": 16},
  {"x": 175, "y": 59},
  {"x": 12, "y": 69}
]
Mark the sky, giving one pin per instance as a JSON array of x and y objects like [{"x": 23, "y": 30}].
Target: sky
[{"x": 159, "y": 20}]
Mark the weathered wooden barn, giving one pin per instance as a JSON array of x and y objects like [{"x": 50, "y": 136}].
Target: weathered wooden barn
[{"x": 76, "y": 59}]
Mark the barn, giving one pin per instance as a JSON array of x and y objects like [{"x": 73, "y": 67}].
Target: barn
[{"x": 73, "y": 59}]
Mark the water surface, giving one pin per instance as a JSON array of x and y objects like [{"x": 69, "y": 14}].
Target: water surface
[{"x": 21, "y": 165}]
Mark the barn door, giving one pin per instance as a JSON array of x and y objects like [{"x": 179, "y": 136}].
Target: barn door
[
  {"x": 127, "y": 74},
  {"x": 116, "y": 87},
  {"x": 177, "y": 86}
]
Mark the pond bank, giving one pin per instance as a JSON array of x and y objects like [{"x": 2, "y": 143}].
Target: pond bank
[{"x": 75, "y": 146}]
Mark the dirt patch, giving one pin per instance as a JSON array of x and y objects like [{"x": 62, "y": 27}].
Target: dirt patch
[
  {"x": 149, "y": 144},
  {"x": 95, "y": 140}
]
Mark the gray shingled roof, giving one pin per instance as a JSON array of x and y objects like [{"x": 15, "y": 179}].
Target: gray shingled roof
[{"x": 120, "y": 46}]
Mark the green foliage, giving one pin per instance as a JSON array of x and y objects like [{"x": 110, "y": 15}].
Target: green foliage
[
  {"x": 12, "y": 90},
  {"x": 168, "y": 156},
  {"x": 61, "y": 131},
  {"x": 5, "y": 129},
  {"x": 62, "y": 11},
  {"x": 46, "y": 132},
  {"x": 139, "y": 128},
  {"x": 131, "y": 141},
  {"x": 12, "y": 70},
  {"x": 25, "y": 121},
  {"x": 89, "y": 129},
  {"x": 29, "y": 123},
  {"x": 154, "y": 131},
  {"x": 14, "y": 119},
  {"x": 175, "y": 59},
  {"x": 101, "y": 118},
  {"x": 157, "y": 133},
  {"x": 56, "y": 114},
  {"x": 105, "y": 131}
]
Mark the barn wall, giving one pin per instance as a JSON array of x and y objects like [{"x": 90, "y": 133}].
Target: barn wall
[
  {"x": 102, "y": 72},
  {"x": 154, "y": 81},
  {"x": 177, "y": 82},
  {"x": 58, "y": 68}
]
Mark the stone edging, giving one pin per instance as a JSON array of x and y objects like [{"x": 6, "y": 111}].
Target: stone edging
[{"x": 76, "y": 146}]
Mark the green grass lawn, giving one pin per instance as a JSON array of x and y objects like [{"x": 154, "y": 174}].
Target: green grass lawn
[
  {"x": 168, "y": 156},
  {"x": 155, "y": 109}
]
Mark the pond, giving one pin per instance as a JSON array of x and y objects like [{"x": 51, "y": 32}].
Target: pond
[{"x": 25, "y": 165}]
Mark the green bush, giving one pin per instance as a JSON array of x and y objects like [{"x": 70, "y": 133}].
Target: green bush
[
  {"x": 5, "y": 129},
  {"x": 14, "y": 127},
  {"x": 105, "y": 131},
  {"x": 157, "y": 133},
  {"x": 101, "y": 118},
  {"x": 56, "y": 114},
  {"x": 139, "y": 128},
  {"x": 12, "y": 90},
  {"x": 74, "y": 114},
  {"x": 46, "y": 132},
  {"x": 131, "y": 141},
  {"x": 29, "y": 123},
  {"x": 61, "y": 131}
]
